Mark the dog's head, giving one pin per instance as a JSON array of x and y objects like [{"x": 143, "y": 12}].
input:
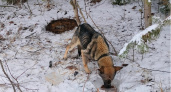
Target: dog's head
[{"x": 107, "y": 74}]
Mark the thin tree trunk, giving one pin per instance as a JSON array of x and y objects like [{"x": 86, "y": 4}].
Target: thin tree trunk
[
  {"x": 75, "y": 7},
  {"x": 147, "y": 13}
]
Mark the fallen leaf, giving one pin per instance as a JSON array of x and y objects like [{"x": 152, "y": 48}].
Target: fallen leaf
[
  {"x": 1, "y": 37},
  {"x": 71, "y": 67},
  {"x": 11, "y": 22},
  {"x": 134, "y": 7}
]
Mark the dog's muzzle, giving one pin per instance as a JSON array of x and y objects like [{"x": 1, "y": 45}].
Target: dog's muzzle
[{"x": 107, "y": 84}]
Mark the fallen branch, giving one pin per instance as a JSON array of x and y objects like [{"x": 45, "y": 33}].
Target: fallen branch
[
  {"x": 29, "y": 88},
  {"x": 29, "y": 8},
  {"x": 8, "y": 6},
  {"x": 26, "y": 71},
  {"x": 85, "y": 7},
  {"x": 98, "y": 90},
  {"x": 39, "y": 6},
  {"x": 12, "y": 83},
  {"x": 17, "y": 85},
  {"x": 160, "y": 86},
  {"x": 151, "y": 69}
]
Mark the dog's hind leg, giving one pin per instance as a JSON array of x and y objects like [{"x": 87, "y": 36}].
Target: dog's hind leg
[
  {"x": 79, "y": 50},
  {"x": 74, "y": 42},
  {"x": 85, "y": 62}
]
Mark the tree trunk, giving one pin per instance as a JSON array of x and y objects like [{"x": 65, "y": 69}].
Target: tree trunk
[
  {"x": 75, "y": 7},
  {"x": 147, "y": 13}
]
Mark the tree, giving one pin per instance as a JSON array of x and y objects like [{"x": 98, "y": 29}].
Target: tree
[
  {"x": 139, "y": 41},
  {"x": 147, "y": 13},
  {"x": 75, "y": 7}
]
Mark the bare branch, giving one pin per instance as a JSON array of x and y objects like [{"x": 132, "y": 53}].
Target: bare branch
[
  {"x": 151, "y": 69},
  {"x": 8, "y": 6},
  {"x": 29, "y": 8},
  {"x": 18, "y": 86},
  {"x": 13, "y": 86},
  {"x": 28, "y": 88},
  {"x": 26, "y": 71}
]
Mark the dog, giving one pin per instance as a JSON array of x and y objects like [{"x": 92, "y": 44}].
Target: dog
[{"x": 92, "y": 45}]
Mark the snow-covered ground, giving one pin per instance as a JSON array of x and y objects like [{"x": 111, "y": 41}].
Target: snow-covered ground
[{"x": 27, "y": 48}]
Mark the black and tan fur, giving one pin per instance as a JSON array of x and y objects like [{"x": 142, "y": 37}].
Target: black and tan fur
[{"x": 92, "y": 45}]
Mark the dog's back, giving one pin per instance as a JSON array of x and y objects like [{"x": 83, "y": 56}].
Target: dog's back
[
  {"x": 92, "y": 41},
  {"x": 85, "y": 33}
]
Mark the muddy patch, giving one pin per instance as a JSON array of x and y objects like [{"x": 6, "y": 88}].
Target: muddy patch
[{"x": 61, "y": 25}]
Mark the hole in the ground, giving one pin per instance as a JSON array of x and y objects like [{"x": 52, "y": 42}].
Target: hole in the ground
[{"x": 61, "y": 25}]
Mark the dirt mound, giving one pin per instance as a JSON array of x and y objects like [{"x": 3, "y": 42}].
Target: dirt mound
[{"x": 61, "y": 25}]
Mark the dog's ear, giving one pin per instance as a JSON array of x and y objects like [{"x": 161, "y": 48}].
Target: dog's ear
[
  {"x": 117, "y": 68},
  {"x": 101, "y": 70}
]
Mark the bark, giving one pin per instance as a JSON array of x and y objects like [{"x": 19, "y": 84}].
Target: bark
[
  {"x": 75, "y": 7},
  {"x": 147, "y": 13}
]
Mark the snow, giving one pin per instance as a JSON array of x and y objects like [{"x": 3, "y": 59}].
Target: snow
[
  {"x": 138, "y": 37},
  {"x": 28, "y": 48}
]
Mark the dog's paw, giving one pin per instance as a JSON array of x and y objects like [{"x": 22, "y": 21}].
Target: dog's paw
[
  {"x": 64, "y": 58},
  {"x": 88, "y": 72}
]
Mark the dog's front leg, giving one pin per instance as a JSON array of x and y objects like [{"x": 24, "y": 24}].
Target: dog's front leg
[{"x": 85, "y": 61}]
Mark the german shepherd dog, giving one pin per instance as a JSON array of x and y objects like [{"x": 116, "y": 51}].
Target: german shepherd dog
[{"x": 92, "y": 45}]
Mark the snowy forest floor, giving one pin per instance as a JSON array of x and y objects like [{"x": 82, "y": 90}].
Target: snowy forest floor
[{"x": 26, "y": 49}]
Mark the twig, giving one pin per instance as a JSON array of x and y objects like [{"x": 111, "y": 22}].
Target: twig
[
  {"x": 98, "y": 90},
  {"x": 95, "y": 24},
  {"x": 8, "y": 6},
  {"x": 29, "y": 8},
  {"x": 26, "y": 71},
  {"x": 39, "y": 5},
  {"x": 160, "y": 86},
  {"x": 85, "y": 82},
  {"x": 100, "y": 4},
  {"x": 18, "y": 86},
  {"x": 29, "y": 88},
  {"x": 30, "y": 35},
  {"x": 113, "y": 48},
  {"x": 85, "y": 7},
  {"x": 151, "y": 69},
  {"x": 13, "y": 86},
  {"x": 133, "y": 52}
]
